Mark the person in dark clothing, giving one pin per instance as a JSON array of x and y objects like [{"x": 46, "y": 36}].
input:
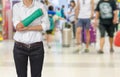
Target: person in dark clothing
[{"x": 106, "y": 12}]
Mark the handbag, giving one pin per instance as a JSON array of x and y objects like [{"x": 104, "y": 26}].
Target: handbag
[{"x": 117, "y": 39}]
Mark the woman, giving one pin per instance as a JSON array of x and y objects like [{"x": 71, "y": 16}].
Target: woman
[
  {"x": 71, "y": 15},
  {"x": 28, "y": 39}
]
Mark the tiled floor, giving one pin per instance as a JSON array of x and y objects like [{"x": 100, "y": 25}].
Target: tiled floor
[{"x": 64, "y": 63}]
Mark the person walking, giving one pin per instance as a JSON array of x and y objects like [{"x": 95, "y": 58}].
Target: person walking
[
  {"x": 106, "y": 12},
  {"x": 84, "y": 13}
]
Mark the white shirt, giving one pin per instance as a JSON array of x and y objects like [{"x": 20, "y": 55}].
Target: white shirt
[
  {"x": 85, "y": 9},
  {"x": 71, "y": 16},
  {"x": 20, "y": 12}
]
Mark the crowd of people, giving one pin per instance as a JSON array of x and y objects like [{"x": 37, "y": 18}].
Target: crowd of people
[
  {"x": 80, "y": 14},
  {"x": 31, "y": 18}
]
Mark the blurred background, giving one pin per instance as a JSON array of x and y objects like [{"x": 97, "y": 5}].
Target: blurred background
[{"x": 60, "y": 59}]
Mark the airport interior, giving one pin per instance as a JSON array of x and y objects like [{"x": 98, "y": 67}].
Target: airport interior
[{"x": 60, "y": 57}]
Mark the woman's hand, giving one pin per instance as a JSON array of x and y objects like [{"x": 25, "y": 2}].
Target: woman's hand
[
  {"x": 95, "y": 23},
  {"x": 19, "y": 26},
  {"x": 115, "y": 20}
]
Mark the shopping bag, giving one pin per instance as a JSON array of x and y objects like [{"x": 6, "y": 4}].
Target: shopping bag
[{"x": 117, "y": 39}]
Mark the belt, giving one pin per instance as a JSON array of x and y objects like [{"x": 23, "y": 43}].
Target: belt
[{"x": 28, "y": 45}]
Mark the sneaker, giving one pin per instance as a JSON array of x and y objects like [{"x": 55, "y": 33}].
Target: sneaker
[
  {"x": 111, "y": 50},
  {"x": 77, "y": 49},
  {"x": 86, "y": 50},
  {"x": 100, "y": 52},
  {"x": 49, "y": 47}
]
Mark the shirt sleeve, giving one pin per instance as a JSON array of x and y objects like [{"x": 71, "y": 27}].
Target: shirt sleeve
[
  {"x": 45, "y": 20},
  {"x": 16, "y": 18},
  {"x": 97, "y": 7},
  {"x": 114, "y": 6}
]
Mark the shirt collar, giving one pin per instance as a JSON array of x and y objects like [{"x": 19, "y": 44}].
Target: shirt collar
[{"x": 22, "y": 4}]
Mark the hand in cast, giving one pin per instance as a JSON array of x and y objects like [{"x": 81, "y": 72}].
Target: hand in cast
[{"x": 23, "y": 25}]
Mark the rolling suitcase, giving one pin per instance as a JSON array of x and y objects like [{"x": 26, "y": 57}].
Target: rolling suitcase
[{"x": 66, "y": 35}]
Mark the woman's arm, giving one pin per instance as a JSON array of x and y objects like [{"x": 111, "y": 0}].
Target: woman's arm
[
  {"x": 92, "y": 8},
  {"x": 77, "y": 9}
]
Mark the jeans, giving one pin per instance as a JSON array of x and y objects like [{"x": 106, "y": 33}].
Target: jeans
[{"x": 23, "y": 54}]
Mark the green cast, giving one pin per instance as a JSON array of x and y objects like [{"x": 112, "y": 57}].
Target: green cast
[{"x": 27, "y": 21}]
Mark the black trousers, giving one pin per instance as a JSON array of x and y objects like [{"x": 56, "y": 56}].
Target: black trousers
[
  {"x": 109, "y": 28},
  {"x": 34, "y": 54}
]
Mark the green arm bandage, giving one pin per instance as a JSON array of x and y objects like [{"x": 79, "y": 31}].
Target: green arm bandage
[{"x": 27, "y": 21}]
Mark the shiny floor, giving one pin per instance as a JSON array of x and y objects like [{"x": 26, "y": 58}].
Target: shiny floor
[{"x": 62, "y": 62}]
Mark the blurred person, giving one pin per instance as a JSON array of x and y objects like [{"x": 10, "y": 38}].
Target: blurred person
[
  {"x": 42, "y": 1},
  {"x": 28, "y": 40},
  {"x": 53, "y": 18},
  {"x": 71, "y": 15},
  {"x": 58, "y": 12},
  {"x": 49, "y": 32},
  {"x": 117, "y": 23},
  {"x": 46, "y": 3},
  {"x": 106, "y": 12},
  {"x": 84, "y": 13},
  {"x": 63, "y": 12}
]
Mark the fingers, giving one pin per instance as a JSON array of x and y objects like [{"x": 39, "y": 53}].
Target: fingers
[
  {"x": 19, "y": 26},
  {"x": 23, "y": 29},
  {"x": 92, "y": 15},
  {"x": 95, "y": 24},
  {"x": 114, "y": 21}
]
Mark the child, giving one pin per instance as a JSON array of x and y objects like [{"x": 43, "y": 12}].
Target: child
[
  {"x": 51, "y": 13},
  {"x": 106, "y": 12},
  {"x": 53, "y": 17}
]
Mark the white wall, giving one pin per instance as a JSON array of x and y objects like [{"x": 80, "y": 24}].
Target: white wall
[{"x": 55, "y": 2}]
